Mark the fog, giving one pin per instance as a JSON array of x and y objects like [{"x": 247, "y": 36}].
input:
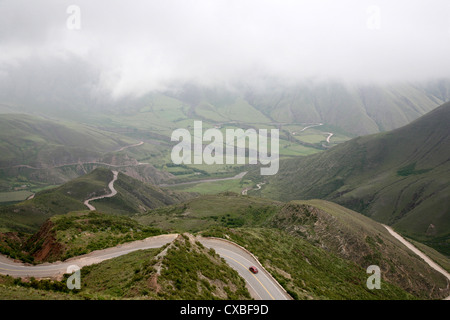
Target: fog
[{"x": 132, "y": 47}]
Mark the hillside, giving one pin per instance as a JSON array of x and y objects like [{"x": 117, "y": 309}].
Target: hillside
[
  {"x": 42, "y": 143},
  {"x": 355, "y": 109},
  {"x": 319, "y": 250},
  {"x": 73, "y": 234},
  {"x": 399, "y": 178},
  {"x": 36, "y": 152},
  {"x": 321, "y": 231},
  {"x": 134, "y": 196},
  {"x": 184, "y": 269}
]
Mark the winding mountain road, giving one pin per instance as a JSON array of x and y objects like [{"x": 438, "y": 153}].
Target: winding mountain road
[
  {"x": 317, "y": 125},
  {"x": 112, "y": 194},
  {"x": 53, "y": 270},
  {"x": 311, "y": 126},
  {"x": 262, "y": 286},
  {"x": 329, "y": 136}
]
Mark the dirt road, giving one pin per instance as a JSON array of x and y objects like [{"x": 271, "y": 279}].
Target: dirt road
[{"x": 112, "y": 194}]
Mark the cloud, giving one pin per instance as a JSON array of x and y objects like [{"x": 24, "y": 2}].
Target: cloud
[{"x": 138, "y": 46}]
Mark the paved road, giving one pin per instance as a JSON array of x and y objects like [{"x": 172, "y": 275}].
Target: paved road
[
  {"x": 112, "y": 194},
  {"x": 17, "y": 269},
  {"x": 261, "y": 285}
]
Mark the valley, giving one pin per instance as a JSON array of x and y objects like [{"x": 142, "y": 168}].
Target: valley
[{"x": 103, "y": 207}]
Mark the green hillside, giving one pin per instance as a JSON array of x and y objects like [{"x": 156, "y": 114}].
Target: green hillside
[
  {"x": 38, "y": 142},
  {"x": 73, "y": 234},
  {"x": 399, "y": 178},
  {"x": 183, "y": 270},
  {"x": 37, "y": 152},
  {"x": 134, "y": 196},
  {"x": 319, "y": 250},
  {"x": 339, "y": 240}
]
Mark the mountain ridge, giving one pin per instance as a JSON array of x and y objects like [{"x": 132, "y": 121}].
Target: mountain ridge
[{"x": 396, "y": 177}]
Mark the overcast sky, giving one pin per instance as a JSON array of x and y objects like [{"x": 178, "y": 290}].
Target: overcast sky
[{"x": 138, "y": 46}]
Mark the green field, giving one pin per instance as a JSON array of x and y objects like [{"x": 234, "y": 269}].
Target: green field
[
  {"x": 214, "y": 187},
  {"x": 14, "y": 196}
]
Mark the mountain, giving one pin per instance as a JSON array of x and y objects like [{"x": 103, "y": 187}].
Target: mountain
[
  {"x": 357, "y": 109},
  {"x": 400, "y": 178},
  {"x": 318, "y": 250},
  {"x": 134, "y": 196},
  {"x": 38, "y": 142},
  {"x": 353, "y": 109},
  {"x": 37, "y": 152}
]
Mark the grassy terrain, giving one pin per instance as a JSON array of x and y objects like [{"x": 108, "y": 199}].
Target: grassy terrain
[
  {"x": 133, "y": 196},
  {"x": 337, "y": 231},
  {"x": 398, "y": 178},
  {"x": 214, "y": 187},
  {"x": 186, "y": 270},
  {"x": 29, "y": 215},
  {"x": 306, "y": 271},
  {"x": 357, "y": 238},
  {"x": 44, "y": 144},
  {"x": 227, "y": 209},
  {"x": 73, "y": 234},
  {"x": 16, "y": 289},
  {"x": 81, "y": 232},
  {"x": 14, "y": 196},
  {"x": 319, "y": 250},
  {"x": 182, "y": 270}
]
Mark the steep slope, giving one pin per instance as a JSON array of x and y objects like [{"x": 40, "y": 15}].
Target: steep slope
[
  {"x": 399, "y": 178},
  {"x": 357, "y": 238},
  {"x": 356, "y": 109}
]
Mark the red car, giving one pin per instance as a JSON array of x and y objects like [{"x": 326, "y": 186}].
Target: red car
[{"x": 253, "y": 269}]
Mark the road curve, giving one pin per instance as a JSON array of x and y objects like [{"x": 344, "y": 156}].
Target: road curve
[
  {"x": 17, "y": 269},
  {"x": 262, "y": 286},
  {"x": 112, "y": 194},
  {"x": 311, "y": 126}
]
